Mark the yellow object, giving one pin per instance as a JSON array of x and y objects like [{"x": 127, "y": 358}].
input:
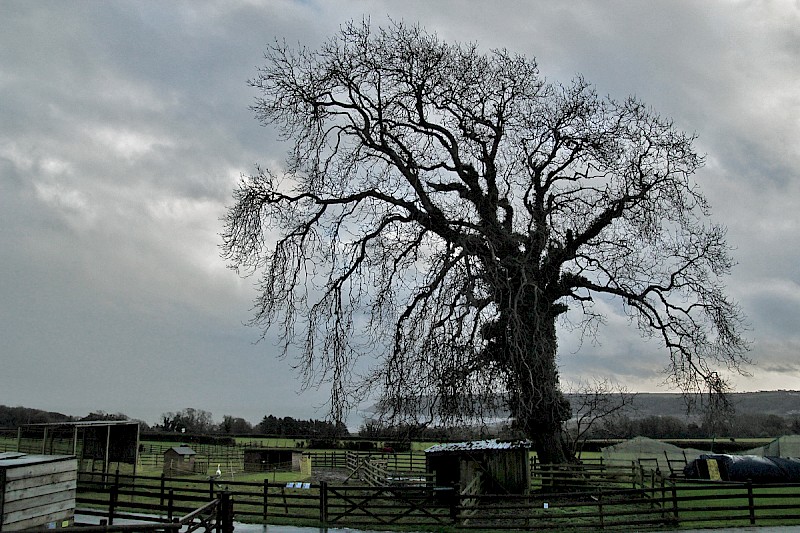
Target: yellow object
[
  {"x": 305, "y": 465},
  {"x": 713, "y": 469}
]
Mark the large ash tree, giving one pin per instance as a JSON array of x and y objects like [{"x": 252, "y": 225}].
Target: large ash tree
[{"x": 441, "y": 210}]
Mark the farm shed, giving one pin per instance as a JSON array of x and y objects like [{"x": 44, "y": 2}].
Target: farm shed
[
  {"x": 181, "y": 460},
  {"x": 503, "y": 466},
  {"x": 271, "y": 459},
  {"x": 36, "y": 490},
  {"x": 95, "y": 444}
]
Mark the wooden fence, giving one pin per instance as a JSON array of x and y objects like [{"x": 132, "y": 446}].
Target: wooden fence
[
  {"x": 213, "y": 516},
  {"x": 657, "y": 504},
  {"x": 593, "y": 474},
  {"x": 378, "y": 471},
  {"x": 397, "y": 462},
  {"x": 208, "y": 457}
]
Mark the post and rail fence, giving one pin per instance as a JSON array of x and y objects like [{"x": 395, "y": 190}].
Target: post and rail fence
[{"x": 652, "y": 502}]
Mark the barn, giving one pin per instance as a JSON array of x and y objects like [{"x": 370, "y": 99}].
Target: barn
[
  {"x": 271, "y": 459},
  {"x": 37, "y": 491},
  {"x": 97, "y": 445},
  {"x": 502, "y": 466}
]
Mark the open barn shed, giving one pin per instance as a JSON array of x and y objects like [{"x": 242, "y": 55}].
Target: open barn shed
[
  {"x": 272, "y": 459},
  {"x": 36, "y": 491},
  {"x": 503, "y": 467},
  {"x": 95, "y": 444}
]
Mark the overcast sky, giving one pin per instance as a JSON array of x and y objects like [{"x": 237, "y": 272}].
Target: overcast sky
[{"x": 125, "y": 125}]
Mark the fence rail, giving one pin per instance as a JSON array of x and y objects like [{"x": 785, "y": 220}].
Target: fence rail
[
  {"x": 377, "y": 471},
  {"x": 651, "y": 502},
  {"x": 594, "y": 474},
  {"x": 397, "y": 462}
]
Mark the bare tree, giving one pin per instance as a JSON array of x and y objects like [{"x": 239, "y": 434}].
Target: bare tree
[
  {"x": 595, "y": 401},
  {"x": 442, "y": 208}
]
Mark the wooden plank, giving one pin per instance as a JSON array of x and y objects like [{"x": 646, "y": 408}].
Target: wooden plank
[
  {"x": 41, "y": 515},
  {"x": 40, "y": 490},
  {"x": 40, "y": 469},
  {"x": 43, "y": 520},
  {"x": 26, "y": 483},
  {"x": 40, "y": 501},
  {"x": 2, "y": 494}
]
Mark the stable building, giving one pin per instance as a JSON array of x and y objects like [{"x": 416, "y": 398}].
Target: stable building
[
  {"x": 272, "y": 460},
  {"x": 37, "y": 491},
  {"x": 98, "y": 445},
  {"x": 497, "y": 467}
]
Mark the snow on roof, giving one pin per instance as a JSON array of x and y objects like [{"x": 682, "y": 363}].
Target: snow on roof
[{"x": 490, "y": 444}]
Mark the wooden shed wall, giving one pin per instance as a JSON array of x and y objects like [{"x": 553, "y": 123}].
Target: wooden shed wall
[
  {"x": 502, "y": 471},
  {"x": 508, "y": 472},
  {"x": 262, "y": 460},
  {"x": 176, "y": 464},
  {"x": 36, "y": 494}
]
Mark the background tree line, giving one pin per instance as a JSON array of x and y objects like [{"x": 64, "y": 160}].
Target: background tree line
[
  {"x": 13, "y": 417},
  {"x": 619, "y": 426},
  {"x": 199, "y": 421},
  {"x": 188, "y": 421}
]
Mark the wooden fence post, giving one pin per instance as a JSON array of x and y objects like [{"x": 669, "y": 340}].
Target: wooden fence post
[
  {"x": 751, "y": 502},
  {"x": 266, "y": 503},
  {"x": 600, "y": 507},
  {"x": 171, "y": 505},
  {"x": 675, "y": 502},
  {"x": 455, "y": 502},
  {"x": 225, "y": 513},
  {"x": 113, "y": 495},
  {"x": 163, "y": 485},
  {"x": 323, "y": 503}
]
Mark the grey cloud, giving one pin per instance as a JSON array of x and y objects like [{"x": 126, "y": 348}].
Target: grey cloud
[{"x": 125, "y": 125}]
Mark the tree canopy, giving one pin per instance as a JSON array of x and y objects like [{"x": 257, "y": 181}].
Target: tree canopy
[{"x": 442, "y": 208}]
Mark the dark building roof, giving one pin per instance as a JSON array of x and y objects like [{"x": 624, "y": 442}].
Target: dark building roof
[
  {"x": 480, "y": 445},
  {"x": 182, "y": 450}
]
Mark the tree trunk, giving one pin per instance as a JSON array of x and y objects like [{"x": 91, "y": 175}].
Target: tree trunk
[{"x": 541, "y": 409}]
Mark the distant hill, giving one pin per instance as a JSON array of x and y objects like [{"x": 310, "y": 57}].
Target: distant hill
[{"x": 782, "y": 403}]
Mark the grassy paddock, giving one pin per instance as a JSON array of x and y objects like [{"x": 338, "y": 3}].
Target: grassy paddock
[{"x": 8, "y": 444}]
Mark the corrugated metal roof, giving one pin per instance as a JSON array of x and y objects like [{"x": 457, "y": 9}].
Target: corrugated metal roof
[
  {"x": 86, "y": 423},
  {"x": 183, "y": 450},
  {"x": 490, "y": 444}
]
